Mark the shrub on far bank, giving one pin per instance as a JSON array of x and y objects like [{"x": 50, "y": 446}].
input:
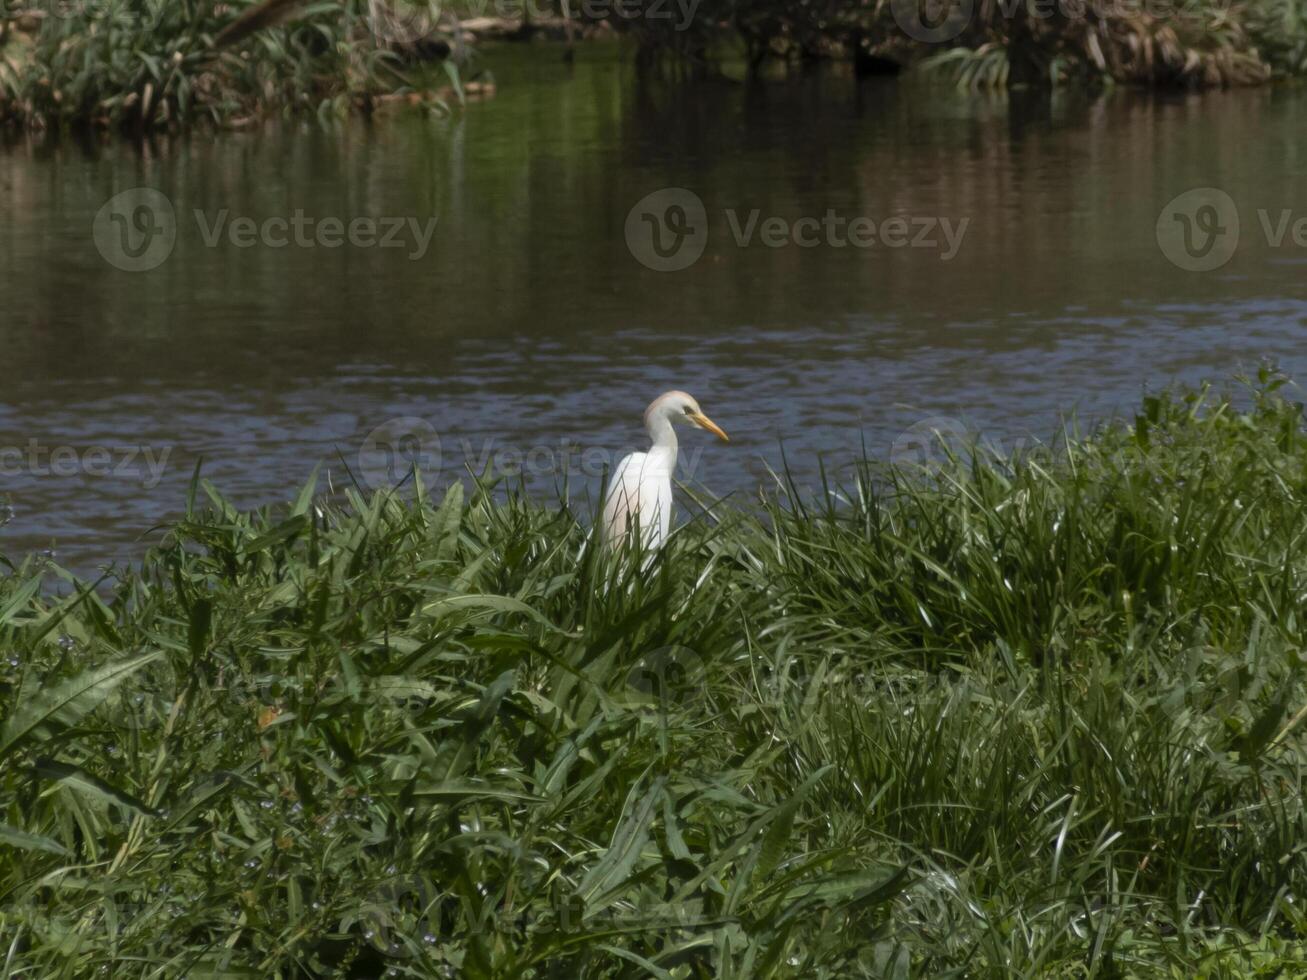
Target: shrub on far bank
[{"x": 996, "y": 43}]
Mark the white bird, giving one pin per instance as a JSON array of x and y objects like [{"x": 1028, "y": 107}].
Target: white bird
[{"x": 639, "y": 500}]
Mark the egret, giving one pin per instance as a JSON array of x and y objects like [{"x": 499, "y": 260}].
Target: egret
[{"x": 639, "y": 499}]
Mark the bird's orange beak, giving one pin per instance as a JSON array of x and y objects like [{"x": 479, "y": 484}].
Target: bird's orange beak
[{"x": 704, "y": 422}]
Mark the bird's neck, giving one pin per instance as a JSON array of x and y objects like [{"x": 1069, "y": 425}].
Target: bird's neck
[{"x": 664, "y": 442}]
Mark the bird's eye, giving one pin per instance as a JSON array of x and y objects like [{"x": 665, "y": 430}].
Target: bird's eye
[{"x": 689, "y": 410}]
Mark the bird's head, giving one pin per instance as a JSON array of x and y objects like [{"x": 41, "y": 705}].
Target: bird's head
[{"x": 676, "y": 407}]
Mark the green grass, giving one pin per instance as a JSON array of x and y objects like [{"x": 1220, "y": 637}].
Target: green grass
[
  {"x": 144, "y": 65},
  {"x": 1038, "y": 716}
]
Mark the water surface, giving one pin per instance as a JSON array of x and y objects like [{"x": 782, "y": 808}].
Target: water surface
[{"x": 529, "y": 332}]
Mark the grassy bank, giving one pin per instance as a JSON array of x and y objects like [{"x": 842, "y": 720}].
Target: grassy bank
[
  {"x": 160, "y": 64},
  {"x": 1034, "y": 717}
]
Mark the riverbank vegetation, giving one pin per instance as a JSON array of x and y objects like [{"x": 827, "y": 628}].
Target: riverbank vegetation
[
  {"x": 148, "y": 64},
  {"x": 151, "y": 64},
  {"x": 1029, "y": 716},
  {"x": 1000, "y": 43}
]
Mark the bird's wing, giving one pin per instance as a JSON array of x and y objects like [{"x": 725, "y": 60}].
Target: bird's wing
[
  {"x": 622, "y": 505},
  {"x": 639, "y": 496}
]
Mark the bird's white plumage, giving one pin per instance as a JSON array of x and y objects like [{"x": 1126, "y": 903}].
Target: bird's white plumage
[{"x": 639, "y": 500}]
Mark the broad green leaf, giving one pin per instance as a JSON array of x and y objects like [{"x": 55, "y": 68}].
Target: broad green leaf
[
  {"x": 486, "y": 604},
  {"x": 19, "y": 600},
  {"x": 31, "y": 842},
  {"x": 632, "y": 833},
  {"x": 77, "y": 778},
  {"x": 67, "y": 703}
]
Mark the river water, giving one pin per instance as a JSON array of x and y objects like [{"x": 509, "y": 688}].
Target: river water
[{"x": 244, "y": 312}]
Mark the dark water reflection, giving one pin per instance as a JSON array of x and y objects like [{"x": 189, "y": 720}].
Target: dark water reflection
[{"x": 528, "y": 326}]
